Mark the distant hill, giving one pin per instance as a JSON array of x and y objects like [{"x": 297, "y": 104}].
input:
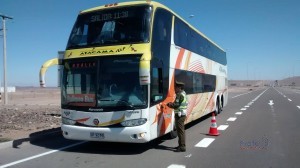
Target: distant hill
[
  {"x": 250, "y": 83},
  {"x": 293, "y": 81}
]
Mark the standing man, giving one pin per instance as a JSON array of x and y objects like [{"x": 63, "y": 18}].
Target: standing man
[{"x": 180, "y": 106}]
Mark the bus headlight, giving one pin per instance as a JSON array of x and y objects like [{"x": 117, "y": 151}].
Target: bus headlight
[
  {"x": 135, "y": 122},
  {"x": 67, "y": 121}
]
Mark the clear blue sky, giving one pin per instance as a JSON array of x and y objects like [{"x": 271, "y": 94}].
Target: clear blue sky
[{"x": 262, "y": 36}]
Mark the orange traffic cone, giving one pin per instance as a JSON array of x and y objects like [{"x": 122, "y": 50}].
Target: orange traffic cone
[{"x": 213, "y": 131}]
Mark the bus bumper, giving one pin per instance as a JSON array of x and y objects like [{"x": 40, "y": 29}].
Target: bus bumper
[{"x": 138, "y": 134}]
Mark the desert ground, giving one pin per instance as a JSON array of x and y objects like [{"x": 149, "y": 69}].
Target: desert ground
[{"x": 29, "y": 110}]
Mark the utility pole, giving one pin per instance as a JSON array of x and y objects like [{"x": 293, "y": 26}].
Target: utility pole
[{"x": 4, "y": 17}]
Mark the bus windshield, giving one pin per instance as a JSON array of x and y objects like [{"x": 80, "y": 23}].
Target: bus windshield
[
  {"x": 111, "y": 27},
  {"x": 106, "y": 83}
]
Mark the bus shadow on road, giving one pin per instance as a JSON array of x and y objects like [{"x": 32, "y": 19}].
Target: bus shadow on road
[
  {"x": 38, "y": 137},
  {"x": 112, "y": 148},
  {"x": 53, "y": 139},
  {"x": 119, "y": 148},
  {"x": 195, "y": 122}
]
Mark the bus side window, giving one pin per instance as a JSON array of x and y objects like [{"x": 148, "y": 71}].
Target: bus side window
[
  {"x": 160, "y": 47},
  {"x": 156, "y": 85}
]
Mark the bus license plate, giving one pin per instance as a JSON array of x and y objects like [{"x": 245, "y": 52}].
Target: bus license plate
[{"x": 97, "y": 135}]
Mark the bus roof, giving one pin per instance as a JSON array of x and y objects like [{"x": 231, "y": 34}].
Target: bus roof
[{"x": 152, "y": 3}]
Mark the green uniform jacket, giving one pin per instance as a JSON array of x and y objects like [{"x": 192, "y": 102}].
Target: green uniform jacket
[{"x": 180, "y": 102}]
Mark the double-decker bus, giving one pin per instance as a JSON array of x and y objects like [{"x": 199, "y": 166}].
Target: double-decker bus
[{"x": 119, "y": 70}]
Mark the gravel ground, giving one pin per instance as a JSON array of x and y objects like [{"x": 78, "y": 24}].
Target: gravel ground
[
  {"x": 20, "y": 121},
  {"x": 29, "y": 110}
]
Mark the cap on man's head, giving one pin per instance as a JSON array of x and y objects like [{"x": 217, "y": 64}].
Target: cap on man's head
[{"x": 178, "y": 83}]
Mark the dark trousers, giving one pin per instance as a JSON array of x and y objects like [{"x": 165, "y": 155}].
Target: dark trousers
[{"x": 179, "y": 121}]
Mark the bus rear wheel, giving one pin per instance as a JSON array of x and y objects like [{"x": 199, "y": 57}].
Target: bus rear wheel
[{"x": 218, "y": 108}]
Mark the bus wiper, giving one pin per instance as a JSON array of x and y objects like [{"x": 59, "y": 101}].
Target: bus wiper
[
  {"x": 96, "y": 43},
  {"x": 120, "y": 100},
  {"x": 75, "y": 46},
  {"x": 106, "y": 42}
]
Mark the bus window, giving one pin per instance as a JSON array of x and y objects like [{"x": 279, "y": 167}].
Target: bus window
[
  {"x": 111, "y": 27},
  {"x": 79, "y": 83},
  {"x": 156, "y": 85},
  {"x": 160, "y": 47}
]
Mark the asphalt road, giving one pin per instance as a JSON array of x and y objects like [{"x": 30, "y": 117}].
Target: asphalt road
[{"x": 257, "y": 129}]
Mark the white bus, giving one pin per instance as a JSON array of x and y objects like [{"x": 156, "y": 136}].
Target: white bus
[{"x": 119, "y": 69}]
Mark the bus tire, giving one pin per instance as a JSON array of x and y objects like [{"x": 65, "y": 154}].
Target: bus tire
[
  {"x": 218, "y": 108},
  {"x": 173, "y": 133},
  {"x": 221, "y": 104}
]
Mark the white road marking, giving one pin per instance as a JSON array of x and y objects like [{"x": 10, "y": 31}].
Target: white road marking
[
  {"x": 241, "y": 94},
  {"x": 271, "y": 102},
  {"x": 188, "y": 156},
  {"x": 243, "y": 109},
  {"x": 222, "y": 127},
  {"x": 205, "y": 142},
  {"x": 176, "y": 166},
  {"x": 239, "y": 113},
  {"x": 231, "y": 119},
  {"x": 289, "y": 99},
  {"x": 298, "y": 107},
  {"x": 42, "y": 154},
  {"x": 247, "y": 106}
]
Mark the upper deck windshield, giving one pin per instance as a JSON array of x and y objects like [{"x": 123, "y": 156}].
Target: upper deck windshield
[
  {"x": 111, "y": 27},
  {"x": 103, "y": 84}
]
